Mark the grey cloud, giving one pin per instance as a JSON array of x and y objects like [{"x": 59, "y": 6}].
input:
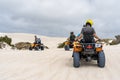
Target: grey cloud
[{"x": 58, "y": 18}]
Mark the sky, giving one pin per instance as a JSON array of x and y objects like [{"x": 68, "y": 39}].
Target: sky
[{"x": 59, "y": 17}]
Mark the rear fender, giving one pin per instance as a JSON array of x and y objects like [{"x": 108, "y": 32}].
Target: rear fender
[
  {"x": 77, "y": 47},
  {"x": 99, "y": 47},
  {"x": 67, "y": 42}
]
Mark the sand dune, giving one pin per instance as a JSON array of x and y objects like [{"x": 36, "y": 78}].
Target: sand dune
[{"x": 53, "y": 63}]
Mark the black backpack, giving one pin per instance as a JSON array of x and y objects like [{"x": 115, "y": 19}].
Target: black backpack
[{"x": 88, "y": 35}]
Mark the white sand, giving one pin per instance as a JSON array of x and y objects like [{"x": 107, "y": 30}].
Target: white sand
[{"x": 53, "y": 63}]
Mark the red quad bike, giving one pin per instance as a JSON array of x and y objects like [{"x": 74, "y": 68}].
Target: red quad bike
[{"x": 88, "y": 51}]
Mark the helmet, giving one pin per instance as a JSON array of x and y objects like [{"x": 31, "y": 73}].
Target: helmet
[
  {"x": 71, "y": 32},
  {"x": 89, "y": 21}
]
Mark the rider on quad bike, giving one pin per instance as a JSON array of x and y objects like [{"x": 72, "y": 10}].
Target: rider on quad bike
[
  {"x": 69, "y": 42},
  {"x": 72, "y": 37},
  {"x": 37, "y": 40},
  {"x": 88, "y": 33},
  {"x": 88, "y": 49},
  {"x": 37, "y": 44}
]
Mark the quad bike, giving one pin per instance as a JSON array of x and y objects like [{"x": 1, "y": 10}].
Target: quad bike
[
  {"x": 68, "y": 45},
  {"x": 36, "y": 46},
  {"x": 88, "y": 52}
]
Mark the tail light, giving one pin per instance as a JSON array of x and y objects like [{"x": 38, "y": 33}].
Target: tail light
[{"x": 89, "y": 47}]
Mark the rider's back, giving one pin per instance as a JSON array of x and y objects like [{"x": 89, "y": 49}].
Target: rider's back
[{"x": 88, "y": 34}]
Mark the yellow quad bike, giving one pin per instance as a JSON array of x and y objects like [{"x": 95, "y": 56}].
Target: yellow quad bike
[
  {"x": 68, "y": 45},
  {"x": 36, "y": 46},
  {"x": 88, "y": 51}
]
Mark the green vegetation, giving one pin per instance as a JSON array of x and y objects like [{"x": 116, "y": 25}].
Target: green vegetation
[
  {"x": 61, "y": 45},
  {"x": 106, "y": 40},
  {"x": 6, "y": 39},
  {"x": 116, "y": 41},
  {"x": 22, "y": 45}
]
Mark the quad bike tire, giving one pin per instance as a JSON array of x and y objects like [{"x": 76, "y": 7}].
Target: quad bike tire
[
  {"x": 30, "y": 48},
  {"x": 36, "y": 48},
  {"x": 101, "y": 59},
  {"x": 76, "y": 59},
  {"x": 42, "y": 47},
  {"x": 71, "y": 46},
  {"x": 67, "y": 48}
]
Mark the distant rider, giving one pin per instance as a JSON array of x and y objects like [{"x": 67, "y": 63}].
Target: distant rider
[
  {"x": 37, "y": 40},
  {"x": 72, "y": 37}
]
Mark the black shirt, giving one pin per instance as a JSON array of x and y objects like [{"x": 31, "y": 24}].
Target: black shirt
[{"x": 87, "y": 33}]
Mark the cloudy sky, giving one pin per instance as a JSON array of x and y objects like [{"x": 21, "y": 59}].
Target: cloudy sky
[{"x": 59, "y": 17}]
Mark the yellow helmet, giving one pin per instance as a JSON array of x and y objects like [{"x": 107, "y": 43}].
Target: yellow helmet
[{"x": 89, "y": 21}]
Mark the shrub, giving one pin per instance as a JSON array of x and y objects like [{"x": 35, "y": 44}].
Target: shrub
[
  {"x": 6, "y": 39},
  {"x": 22, "y": 45},
  {"x": 61, "y": 45},
  {"x": 106, "y": 40},
  {"x": 116, "y": 41}
]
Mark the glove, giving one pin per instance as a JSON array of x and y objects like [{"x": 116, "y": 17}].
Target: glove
[{"x": 99, "y": 39}]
